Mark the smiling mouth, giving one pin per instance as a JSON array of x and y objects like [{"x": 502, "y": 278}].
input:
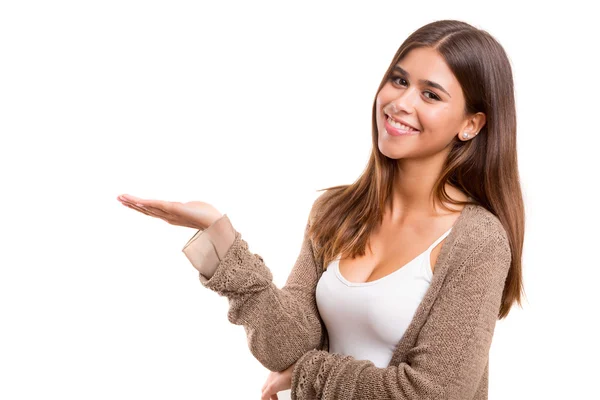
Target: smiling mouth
[{"x": 398, "y": 126}]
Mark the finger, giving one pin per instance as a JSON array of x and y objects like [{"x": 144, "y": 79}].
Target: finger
[
  {"x": 267, "y": 381},
  {"x": 130, "y": 198},
  {"x": 146, "y": 206},
  {"x": 157, "y": 212},
  {"x": 137, "y": 208},
  {"x": 127, "y": 201},
  {"x": 266, "y": 394},
  {"x": 165, "y": 209},
  {"x": 162, "y": 206},
  {"x": 159, "y": 205},
  {"x": 274, "y": 397}
]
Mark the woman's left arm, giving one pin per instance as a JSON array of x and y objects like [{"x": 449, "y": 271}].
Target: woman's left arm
[{"x": 451, "y": 352}]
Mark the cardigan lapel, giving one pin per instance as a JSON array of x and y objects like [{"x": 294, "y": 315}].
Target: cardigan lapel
[{"x": 440, "y": 271}]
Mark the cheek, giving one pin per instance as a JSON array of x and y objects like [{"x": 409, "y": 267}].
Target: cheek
[
  {"x": 435, "y": 118},
  {"x": 385, "y": 95},
  {"x": 380, "y": 101}
]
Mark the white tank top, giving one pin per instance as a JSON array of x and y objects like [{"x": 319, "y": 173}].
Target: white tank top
[{"x": 367, "y": 320}]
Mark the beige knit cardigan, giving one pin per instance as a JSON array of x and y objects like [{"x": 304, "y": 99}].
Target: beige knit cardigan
[{"x": 444, "y": 353}]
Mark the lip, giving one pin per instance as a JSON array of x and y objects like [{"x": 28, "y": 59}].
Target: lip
[
  {"x": 399, "y": 120},
  {"x": 397, "y": 132}
]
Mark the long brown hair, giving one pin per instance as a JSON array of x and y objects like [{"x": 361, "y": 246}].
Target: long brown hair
[{"x": 484, "y": 168}]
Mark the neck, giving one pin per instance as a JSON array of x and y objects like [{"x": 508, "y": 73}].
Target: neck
[{"x": 412, "y": 195}]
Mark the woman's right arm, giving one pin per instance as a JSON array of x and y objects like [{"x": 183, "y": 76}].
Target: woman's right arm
[
  {"x": 281, "y": 324},
  {"x": 208, "y": 247}
]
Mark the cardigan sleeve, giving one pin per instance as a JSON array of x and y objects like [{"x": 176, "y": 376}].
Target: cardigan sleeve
[
  {"x": 208, "y": 246},
  {"x": 281, "y": 324},
  {"x": 449, "y": 356}
]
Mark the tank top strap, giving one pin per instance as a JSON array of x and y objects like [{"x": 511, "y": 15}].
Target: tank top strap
[{"x": 439, "y": 240}]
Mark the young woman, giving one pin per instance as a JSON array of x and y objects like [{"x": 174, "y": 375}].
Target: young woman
[{"x": 401, "y": 275}]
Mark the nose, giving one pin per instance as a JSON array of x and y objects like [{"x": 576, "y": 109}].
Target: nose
[{"x": 404, "y": 101}]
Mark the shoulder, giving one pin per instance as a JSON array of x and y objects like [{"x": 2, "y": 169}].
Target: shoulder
[
  {"x": 482, "y": 227},
  {"x": 479, "y": 249}
]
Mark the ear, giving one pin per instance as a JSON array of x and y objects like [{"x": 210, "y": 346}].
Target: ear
[{"x": 472, "y": 126}]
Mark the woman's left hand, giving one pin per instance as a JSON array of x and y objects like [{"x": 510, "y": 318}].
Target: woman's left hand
[{"x": 276, "y": 382}]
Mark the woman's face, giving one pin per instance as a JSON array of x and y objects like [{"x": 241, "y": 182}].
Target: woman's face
[{"x": 434, "y": 109}]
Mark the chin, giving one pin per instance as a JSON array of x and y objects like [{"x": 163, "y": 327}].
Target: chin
[{"x": 389, "y": 152}]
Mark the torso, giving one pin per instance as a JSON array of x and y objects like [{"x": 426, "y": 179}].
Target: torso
[{"x": 392, "y": 247}]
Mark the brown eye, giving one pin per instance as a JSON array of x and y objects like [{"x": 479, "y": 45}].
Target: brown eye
[
  {"x": 394, "y": 79},
  {"x": 435, "y": 96}
]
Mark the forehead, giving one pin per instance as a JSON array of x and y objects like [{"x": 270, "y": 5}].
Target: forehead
[{"x": 426, "y": 63}]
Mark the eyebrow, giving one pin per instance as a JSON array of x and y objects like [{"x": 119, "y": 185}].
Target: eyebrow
[{"x": 425, "y": 81}]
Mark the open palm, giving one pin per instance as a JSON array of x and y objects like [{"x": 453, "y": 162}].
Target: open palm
[{"x": 193, "y": 214}]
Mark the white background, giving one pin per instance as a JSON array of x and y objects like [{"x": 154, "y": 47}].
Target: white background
[{"x": 252, "y": 106}]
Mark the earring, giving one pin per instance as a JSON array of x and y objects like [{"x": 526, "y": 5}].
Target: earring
[{"x": 465, "y": 135}]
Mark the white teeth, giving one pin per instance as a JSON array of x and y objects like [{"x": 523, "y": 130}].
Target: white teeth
[{"x": 399, "y": 125}]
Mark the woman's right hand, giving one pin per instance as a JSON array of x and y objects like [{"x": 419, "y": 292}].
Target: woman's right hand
[{"x": 193, "y": 214}]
